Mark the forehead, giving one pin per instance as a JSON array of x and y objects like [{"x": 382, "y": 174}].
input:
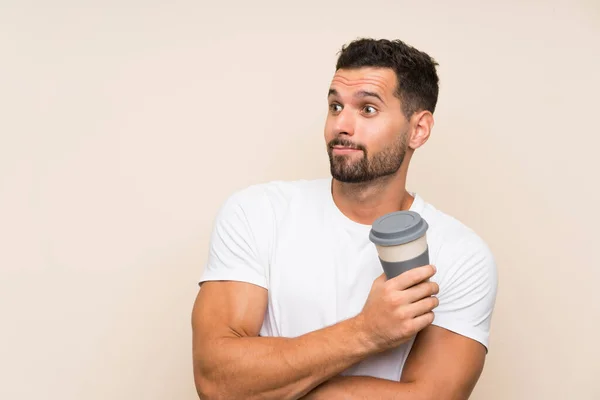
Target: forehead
[{"x": 382, "y": 80}]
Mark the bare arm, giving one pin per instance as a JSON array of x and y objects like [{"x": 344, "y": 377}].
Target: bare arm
[
  {"x": 442, "y": 365},
  {"x": 230, "y": 361}
]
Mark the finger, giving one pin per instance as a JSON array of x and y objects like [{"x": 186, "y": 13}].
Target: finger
[
  {"x": 420, "y": 291},
  {"x": 421, "y": 307},
  {"x": 412, "y": 277},
  {"x": 422, "y": 321}
]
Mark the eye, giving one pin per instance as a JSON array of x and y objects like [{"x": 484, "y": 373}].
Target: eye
[
  {"x": 369, "y": 110},
  {"x": 335, "y": 108}
]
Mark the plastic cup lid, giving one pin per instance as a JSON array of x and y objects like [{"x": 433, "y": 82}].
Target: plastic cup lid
[{"x": 398, "y": 228}]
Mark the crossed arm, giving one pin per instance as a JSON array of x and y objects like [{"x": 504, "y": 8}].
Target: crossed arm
[
  {"x": 441, "y": 365},
  {"x": 231, "y": 361}
]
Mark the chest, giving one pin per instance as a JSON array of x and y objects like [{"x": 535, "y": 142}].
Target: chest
[{"x": 318, "y": 277}]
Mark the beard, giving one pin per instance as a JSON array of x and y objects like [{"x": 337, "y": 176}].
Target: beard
[{"x": 368, "y": 168}]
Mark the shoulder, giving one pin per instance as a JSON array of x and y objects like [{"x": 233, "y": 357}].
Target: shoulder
[
  {"x": 452, "y": 236},
  {"x": 261, "y": 201},
  {"x": 466, "y": 274},
  {"x": 457, "y": 248}
]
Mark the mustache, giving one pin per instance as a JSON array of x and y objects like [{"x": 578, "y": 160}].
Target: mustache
[{"x": 346, "y": 143}]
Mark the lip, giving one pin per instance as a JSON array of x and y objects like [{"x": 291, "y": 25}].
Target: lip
[{"x": 344, "y": 150}]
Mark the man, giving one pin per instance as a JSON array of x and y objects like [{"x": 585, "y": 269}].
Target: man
[{"x": 293, "y": 302}]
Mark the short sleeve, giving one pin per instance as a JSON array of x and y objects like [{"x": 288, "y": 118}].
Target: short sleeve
[
  {"x": 468, "y": 290},
  {"x": 234, "y": 250}
]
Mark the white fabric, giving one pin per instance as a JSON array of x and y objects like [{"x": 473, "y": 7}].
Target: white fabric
[{"x": 318, "y": 265}]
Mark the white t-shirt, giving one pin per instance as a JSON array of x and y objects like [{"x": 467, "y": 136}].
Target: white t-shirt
[{"x": 318, "y": 265}]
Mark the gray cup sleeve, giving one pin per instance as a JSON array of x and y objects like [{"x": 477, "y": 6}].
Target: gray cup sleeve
[{"x": 393, "y": 269}]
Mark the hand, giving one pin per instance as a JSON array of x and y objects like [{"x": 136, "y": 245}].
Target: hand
[{"x": 399, "y": 308}]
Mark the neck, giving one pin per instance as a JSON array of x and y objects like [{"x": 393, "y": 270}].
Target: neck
[{"x": 366, "y": 201}]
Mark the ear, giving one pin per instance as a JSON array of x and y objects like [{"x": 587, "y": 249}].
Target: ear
[{"x": 422, "y": 124}]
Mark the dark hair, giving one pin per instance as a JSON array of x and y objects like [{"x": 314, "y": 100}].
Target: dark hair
[{"x": 415, "y": 70}]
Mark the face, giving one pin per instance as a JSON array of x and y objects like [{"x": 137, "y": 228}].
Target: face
[{"x": 366, "y": 132}]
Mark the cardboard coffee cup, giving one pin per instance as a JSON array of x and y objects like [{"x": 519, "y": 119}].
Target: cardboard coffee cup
[{"x": 401, "y": 241}]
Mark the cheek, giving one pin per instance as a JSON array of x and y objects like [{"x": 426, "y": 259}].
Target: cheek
[
  {"x": 380, "y": 129},
  {"x": 377, "y": 134},
  {"x": 371, "y": 133}
]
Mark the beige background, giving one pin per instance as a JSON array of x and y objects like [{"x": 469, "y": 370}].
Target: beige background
[{"x": 125, "y": 124}]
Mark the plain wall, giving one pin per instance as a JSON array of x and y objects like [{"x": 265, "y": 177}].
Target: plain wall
[{"x": 125, "y": 124}]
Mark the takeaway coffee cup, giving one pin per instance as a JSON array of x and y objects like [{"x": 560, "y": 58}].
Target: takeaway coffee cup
[{"x": 401, "y": 241}]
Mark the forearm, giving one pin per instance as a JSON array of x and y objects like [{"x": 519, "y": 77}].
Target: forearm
[
  {"x": 365, "y": 387},
  {"x": 279, "y": 368}
]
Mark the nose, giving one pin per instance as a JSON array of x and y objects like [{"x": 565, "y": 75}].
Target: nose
[{"x": 344, "y": 123}]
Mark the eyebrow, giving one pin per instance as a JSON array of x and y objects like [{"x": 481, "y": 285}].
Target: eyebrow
[
  {"x": 361, "y": 94},
  {"x": 364, "y": 93}
]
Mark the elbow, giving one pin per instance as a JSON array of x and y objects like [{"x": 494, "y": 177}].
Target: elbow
[
  {"x": 207, "y": 384},
  {"x": 209, "y": 390},
  {"x": 205, "y": 387},
  {"x": 209, "y": 387}
]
